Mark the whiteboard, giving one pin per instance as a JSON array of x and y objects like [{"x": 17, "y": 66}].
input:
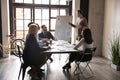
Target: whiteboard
[{"x": 62, "y": 28}]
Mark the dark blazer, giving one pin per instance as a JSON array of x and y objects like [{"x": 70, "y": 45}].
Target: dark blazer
[
  {"x": 47, "y": 34},
  {"x": 32, "y": 53}
]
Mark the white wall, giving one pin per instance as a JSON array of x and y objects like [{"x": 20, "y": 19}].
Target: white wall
[
  {"x": 5, "y": 21},
  {"x": 75, "y": 7},
  {"x": 96, "y": 21},
  {"x": 111, "y": 24}
]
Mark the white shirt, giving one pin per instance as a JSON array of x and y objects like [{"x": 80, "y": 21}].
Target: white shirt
[
  {"x": 82, "y": 45},
  {"x": 78, "y": 20},
  {"x": 78, "y": 25}
]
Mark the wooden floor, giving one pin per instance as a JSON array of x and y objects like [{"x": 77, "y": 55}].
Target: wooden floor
[{"x": 9, "y": 68}]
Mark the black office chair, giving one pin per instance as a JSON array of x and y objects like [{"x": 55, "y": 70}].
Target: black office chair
[
  {"x": 86, "y": 57},
  {"x": 23, "y": 65}
]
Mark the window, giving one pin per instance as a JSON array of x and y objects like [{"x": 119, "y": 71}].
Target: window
[
  {"x": 18, "y": 1},
  {"x": 21, "y": 18},
  {"x": 41, "y": 1},
  {"x": 23, "y": 1},
  {"x": 43, "y": 12}
]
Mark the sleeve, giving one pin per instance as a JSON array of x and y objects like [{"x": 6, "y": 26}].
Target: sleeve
[
  {"x": 79, "y": 44},
  {"x": 40, "y": 36},
  {"x": 72, "y": 25},
  {"x": 44, "y": 49},
  {"x": 51, "y": 36}
]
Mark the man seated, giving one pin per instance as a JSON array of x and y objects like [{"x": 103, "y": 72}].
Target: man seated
[{"x": 45, "y": 36}]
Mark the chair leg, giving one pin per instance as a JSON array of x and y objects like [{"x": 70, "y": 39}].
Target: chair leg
[
  {"x": 77, "y": 69},
  {"x": 90, "y": 69},
  {"x": 24, "y": 70},
  {"x": 20, "y": 71},
  {"x": 82, "y": 71},
  {"x": 87, "y": 65}
]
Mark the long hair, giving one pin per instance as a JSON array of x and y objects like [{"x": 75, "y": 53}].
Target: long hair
[
  {"x": 87, "y": 35},
  {"x": 30, "y": 23},
  {"x": 33, "y": 23},
  {"x": 33, "y": 29}
]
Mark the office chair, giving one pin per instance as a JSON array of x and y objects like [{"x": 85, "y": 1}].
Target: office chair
[
  {"x": 86, "y": 57},
  {"x": 23, "y": 65}
]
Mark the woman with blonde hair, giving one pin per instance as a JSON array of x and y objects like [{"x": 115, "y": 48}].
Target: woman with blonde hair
[
  {"x": 33, "y": 29},
  {"x": 32, "y": 54}
]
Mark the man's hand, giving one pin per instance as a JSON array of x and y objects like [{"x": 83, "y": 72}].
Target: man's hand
[
  {"x": 71, "y": 24},
  {"x": 45, "y": 39},
  {"x": 49, "y": 47}
]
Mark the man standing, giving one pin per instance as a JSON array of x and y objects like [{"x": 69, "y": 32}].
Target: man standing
[{"x": 81, "y": 22}]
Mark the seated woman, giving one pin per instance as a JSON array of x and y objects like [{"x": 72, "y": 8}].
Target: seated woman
[
  {"x": 32, "y": 53},
  {"x": 85, "y": 42}
]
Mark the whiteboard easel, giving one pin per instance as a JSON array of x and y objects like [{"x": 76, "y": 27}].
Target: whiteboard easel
[{"x": 63, "y": 29}]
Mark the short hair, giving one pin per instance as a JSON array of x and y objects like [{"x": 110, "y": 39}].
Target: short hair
[
  {"x": 80, "y": 11},
  {"x": 43, "y": 26}
]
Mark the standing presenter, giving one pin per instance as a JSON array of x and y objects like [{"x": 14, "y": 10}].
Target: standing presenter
[{"x": 81, "y": 22}]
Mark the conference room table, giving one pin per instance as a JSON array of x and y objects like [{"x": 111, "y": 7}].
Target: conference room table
[{"x": 61, "y": 47}]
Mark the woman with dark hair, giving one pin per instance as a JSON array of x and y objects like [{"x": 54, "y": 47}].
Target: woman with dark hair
[
  {"x": 85, "y": 42},
  {"x": 81, "y": 22}
]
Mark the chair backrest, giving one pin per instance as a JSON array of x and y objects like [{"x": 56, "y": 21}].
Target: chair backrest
[
  {"x": 90, "y": 50},
  {"x": 20, "y": 52},
  {"x": 88, "y": 54}
]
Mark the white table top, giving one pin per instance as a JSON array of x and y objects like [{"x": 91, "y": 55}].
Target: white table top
[{"x": 61, "y": 46}]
